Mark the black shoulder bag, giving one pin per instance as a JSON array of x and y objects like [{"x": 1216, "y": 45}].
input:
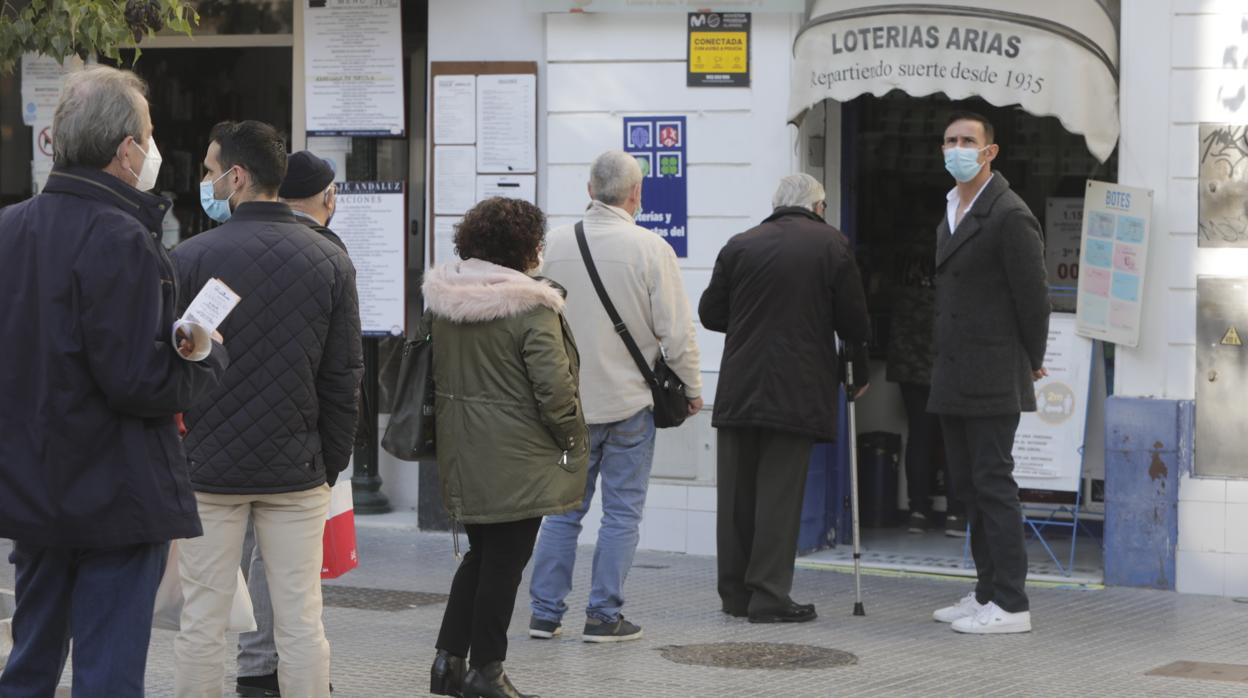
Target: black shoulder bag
[
  {"x": 671, "y": 407},
  {"x": 410, "y": 434}
]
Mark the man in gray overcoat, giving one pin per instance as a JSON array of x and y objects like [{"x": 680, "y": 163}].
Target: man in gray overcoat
[{"x": 992, "y": 325}]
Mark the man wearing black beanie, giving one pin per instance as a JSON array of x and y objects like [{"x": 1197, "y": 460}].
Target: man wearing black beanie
[{"x": 309, "y": 191}]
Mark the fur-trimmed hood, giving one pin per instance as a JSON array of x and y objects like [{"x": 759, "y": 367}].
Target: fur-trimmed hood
[{"x": 474, "y": 290}]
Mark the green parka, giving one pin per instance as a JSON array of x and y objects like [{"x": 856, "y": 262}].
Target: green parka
[{"x": 511, "y": 435}]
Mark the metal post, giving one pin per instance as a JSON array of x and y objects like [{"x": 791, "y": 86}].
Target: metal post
[{"x": 365, "y": 482}]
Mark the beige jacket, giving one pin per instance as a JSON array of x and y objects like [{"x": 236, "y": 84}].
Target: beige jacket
[{"x": 642, "y": 277}]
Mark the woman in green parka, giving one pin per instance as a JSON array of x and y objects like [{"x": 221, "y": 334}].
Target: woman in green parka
[{"x": 512, "y": 440}]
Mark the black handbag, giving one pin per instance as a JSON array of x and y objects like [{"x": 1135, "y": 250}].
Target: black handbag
[
  {"x": 671, "y": 407},
  {"x": 411, "y": 431}
]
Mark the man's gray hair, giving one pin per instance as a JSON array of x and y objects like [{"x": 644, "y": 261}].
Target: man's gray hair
[
  {"x": 99, "y": 107},
  {"x": 798, "y": 190},
  {"x": 613, "y": 176}
]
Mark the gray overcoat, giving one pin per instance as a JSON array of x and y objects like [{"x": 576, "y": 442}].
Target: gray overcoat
[{"x": 992, "y": 308}]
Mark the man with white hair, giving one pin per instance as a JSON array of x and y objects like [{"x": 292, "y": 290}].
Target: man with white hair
[
  {"x": 93, "y": 478},
  {"x": 782, "y": 292},
  {"x": 642, "y": 278}
]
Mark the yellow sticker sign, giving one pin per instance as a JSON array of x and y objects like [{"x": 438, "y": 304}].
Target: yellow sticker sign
[
  {"x": 1231, "y": 337},
  {"x": 718, "y": 52},
  {"x": 719, "y": 49}
]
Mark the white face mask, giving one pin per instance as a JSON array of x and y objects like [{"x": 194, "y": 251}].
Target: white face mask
[{"x": 150, "y": 169}]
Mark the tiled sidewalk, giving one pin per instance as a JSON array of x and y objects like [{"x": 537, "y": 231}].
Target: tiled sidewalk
[{"x": 1086, "y": 643}]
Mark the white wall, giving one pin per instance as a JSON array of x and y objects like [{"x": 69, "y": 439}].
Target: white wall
[{"x": 1165, "y": 95}]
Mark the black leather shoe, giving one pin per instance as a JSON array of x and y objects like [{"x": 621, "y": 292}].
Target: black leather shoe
[
  {"x": 794, "y": 613},
  {"x": 735, "y": 612},
  {"x": 258, "y": 686},
  {"x": 446, "y": 677},
  {"x": 490, "y": 681}
]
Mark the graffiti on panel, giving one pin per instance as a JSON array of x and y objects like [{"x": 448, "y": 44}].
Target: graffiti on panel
[
  {"x": 1223, "y": 185},
  {"x": 1233, "y": 91}
]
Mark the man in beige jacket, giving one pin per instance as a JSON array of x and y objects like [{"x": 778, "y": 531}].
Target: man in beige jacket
[{"x": 642, "y": 278}]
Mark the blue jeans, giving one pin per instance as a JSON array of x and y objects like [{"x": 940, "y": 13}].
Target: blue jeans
[
  {"x": 622, "y": 453},
  {"x": 102, "y": 598}
]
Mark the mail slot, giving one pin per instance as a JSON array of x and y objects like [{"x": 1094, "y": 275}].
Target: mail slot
[{"x": 1221, "y": 376}]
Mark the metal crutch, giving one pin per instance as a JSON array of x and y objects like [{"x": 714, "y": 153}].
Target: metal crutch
[{"x": 850, "y": 386}]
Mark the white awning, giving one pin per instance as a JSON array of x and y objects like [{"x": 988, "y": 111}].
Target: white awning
[{"x": 1052, "y": 57}]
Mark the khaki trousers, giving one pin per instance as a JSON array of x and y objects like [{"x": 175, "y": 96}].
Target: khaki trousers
[{"x": 289, "y": 530}]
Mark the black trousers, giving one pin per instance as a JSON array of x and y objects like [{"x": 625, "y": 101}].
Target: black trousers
[
  {"x": 982, "y": 468},
  {"x": 483, "y": 594},
  {"x": 923, "y": 428},
  {"x": 761, "y": 481}
]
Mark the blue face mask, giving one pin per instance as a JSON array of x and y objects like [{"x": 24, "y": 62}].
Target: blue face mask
[
  {"x": 963, "y": 163},
  {"x": 217, "y": 209}
]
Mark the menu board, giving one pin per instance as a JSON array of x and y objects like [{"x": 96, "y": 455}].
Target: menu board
[
  {"x": 454, "y": 109},
  {"x": 353, "y": 80},
  {"x": 484, "y": 131},
  {"x": 371, "y": 220},
  {"x": 506, "y": 124}
]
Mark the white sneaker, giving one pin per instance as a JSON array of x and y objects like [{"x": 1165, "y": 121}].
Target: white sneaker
[
  {"x": 966, "y": 607},
  {"x": 991, "y": 619}
]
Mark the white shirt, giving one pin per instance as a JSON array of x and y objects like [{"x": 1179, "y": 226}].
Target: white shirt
[{"x": 952, "y": 207}]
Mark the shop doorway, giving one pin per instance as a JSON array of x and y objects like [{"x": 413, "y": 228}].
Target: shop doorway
[{"x": 887, "y": 171}]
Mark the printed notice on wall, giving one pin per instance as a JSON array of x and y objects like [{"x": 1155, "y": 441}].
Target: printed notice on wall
[
  {"x": 42, "y": 79},
  {"x": 444, "y": 239},
  {"x": 371, "y": 220},
  {"x": 354, "y": 67},
  {"x": 1048, "y": 446},
  {"x": 454, "y": 178},
  {"x": 506, "y": 124},
  {"x": 1112, "y": 262},
  {"x": 1063, "y": 227},
  {"x": 454, "y": 109},
  {"x": 523, "y": 187},
  {"x": 658, "y": 143},
  {"x": 719, "y": 49}
]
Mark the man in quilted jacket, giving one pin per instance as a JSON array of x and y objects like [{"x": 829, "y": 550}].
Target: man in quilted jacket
[{"x": 271, "y": 440}]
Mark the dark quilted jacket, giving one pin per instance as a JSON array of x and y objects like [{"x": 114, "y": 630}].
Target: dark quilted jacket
[{"x": 283, "y": 419}]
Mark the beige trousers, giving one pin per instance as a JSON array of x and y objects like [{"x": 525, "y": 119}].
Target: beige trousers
[{"x": 289, "y": 530}]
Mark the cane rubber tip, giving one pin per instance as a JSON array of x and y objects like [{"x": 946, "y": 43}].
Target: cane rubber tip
[{"x": 859, "y": 610}]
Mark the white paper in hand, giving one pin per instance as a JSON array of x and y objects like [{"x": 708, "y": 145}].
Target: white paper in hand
[
  {"x": 205, "y": 314},
  {"x": 213, "y": 304}
]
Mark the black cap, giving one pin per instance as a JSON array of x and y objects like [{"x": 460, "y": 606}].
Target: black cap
[{"x": 306, "y": 176}]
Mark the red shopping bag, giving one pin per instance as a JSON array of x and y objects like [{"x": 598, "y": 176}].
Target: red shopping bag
[{"x": 340, "y": 554}]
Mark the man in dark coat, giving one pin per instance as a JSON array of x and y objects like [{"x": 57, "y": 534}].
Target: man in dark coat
[
  {"x": 93, "y": 480},
  {"x": 310, "y": 192},
  {"x": 268, "y": 443},
  {"x": 783, "y": 292},
  {"x": 992, "y": 325}
]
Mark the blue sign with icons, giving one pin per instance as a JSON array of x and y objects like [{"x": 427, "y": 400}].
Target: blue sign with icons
[{"x": 658, "y": 143}]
